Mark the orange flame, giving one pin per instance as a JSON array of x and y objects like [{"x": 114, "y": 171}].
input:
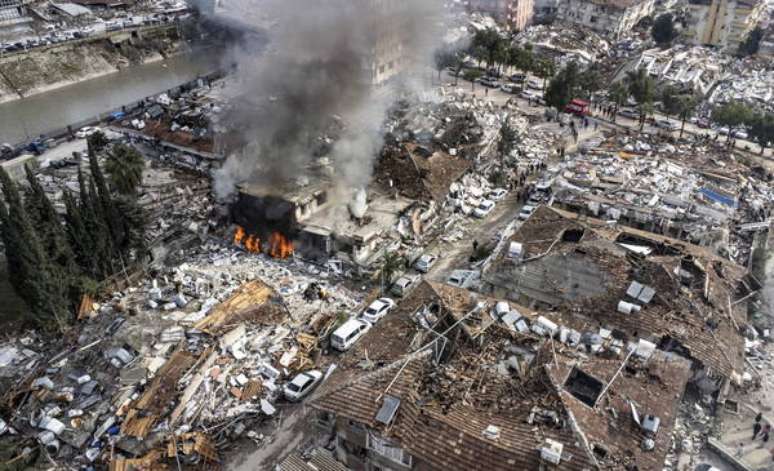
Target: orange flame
[
  {"x": 250, "y": 243},
  {"x": 253, "y": 244},
  {"x": 280, "y": 246},
  {"x": 239, "y": 235}
]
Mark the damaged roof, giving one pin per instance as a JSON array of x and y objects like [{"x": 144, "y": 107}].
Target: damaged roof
[
  {"x": 491, "y": 403},
  {"x": 418, "y": 173},
  {"x": 584, "y": 272}
]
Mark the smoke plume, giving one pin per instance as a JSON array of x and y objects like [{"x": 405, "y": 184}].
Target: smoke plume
[{"x": 317, "y": 68}]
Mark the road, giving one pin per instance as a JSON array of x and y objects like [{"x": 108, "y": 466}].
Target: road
[{"x": 623, "y": 122}]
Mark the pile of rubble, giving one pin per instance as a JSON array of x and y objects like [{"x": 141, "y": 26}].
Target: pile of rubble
[{"x": 176, "y": 367}]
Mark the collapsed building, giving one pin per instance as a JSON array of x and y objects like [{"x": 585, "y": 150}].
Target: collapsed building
[
  {"x": 476, "y": 392},
  {"x": 668, "y": 190},
  {"x": 611, "y": 17},
  {"x": 695, "y": 68},
  {"x": 588, "y": 274},
  {"x": 724, "y": 24}
]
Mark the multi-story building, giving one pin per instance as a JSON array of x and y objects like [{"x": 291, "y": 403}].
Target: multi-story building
[
  {"x": 515, "y": 14},
  {"x": 611, "y": 17},
  {"x": 11, "y": 11},
  {"x": 724, "y": 23}
]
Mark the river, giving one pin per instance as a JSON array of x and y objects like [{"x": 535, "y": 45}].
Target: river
[{"x": 31, "y": 116}]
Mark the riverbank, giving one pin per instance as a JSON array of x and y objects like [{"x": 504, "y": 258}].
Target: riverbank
[
  {"x": 37, "y": 72},
  {"x": 84, "y": 101}
]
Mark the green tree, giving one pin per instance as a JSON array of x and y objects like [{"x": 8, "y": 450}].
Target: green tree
[
  {"x": 563, "y": 87},
  {"x": 491, "y": 44},
  {"x": 472, "y": 75},
  {"x": 618, "y": 94},
  {"x": 521, "y": 58},
  {"x": 762, "y": 130},
  {"x": 392, "y": 263},
  {"x": 686, "y": 106},
  {"x": 96, "y": 142},
  {"x": 80, "y": 239},
  {"x": 545, "y": 69},
  {"x": 124, "y": 166},
  {"x": 664, "y": 31},
  {"x": 31, "y": 272},
  {"x": 508, "y": 138},
  {"x": 752, "y": 43},
  {"x": 443, "y": 58},
  {"x": 643, "y": 88},
  {"x": 47, "y": 224},
  {"x": 732, "y": 115},
  {"x": 669, "y": 103}
]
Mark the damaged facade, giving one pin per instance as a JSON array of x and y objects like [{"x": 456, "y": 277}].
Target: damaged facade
[
  {"x": 612, "y": 17},
  {"x": 629, "y": 283},
  {"x": 478, "y": 393}
]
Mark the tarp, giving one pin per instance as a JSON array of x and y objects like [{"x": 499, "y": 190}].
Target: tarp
[{"x": 715, "y": 196}]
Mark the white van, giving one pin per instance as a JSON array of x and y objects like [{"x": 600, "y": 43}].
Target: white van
[{"x": 348, "y": 333}]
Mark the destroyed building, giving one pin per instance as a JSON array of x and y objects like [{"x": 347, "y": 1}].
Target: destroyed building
[
  {"x": 612, "y": 17},
  {"x": 516, "y": 14},
  {"x": 589, "y": 274},
  {"x": 723, "y": 23},
  {"x": 695, "y": 68},
  {"x": 476, "y": 393}
]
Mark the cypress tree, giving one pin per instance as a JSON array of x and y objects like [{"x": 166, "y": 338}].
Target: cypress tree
[
  {"x": 32, "y": 273},
  {"x": 110, "y": 216},
  {"x": 79, "y": 237},
  {"x": 48, "y": 224}
]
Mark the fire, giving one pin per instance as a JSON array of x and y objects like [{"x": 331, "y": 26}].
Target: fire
[
  {"x": 239, "y": 235},
  {"x": 253, "y": 244},
  {"x": 280, "y": 246}
]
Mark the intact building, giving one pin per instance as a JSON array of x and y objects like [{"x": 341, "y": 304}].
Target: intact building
[
  {"x": 724, "y": 23},
  {"x": 612, "y": 17},
  {"x": 516, "y": 14}
]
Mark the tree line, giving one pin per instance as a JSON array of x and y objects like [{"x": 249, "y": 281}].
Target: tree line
[
  {"x": 495, "y": 52},
  {"x": 54, "y": 259}
]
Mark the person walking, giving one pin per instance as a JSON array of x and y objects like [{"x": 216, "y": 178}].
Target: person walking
[
  {"x": 756, "y": 429},
  {"x": 765, "y": 432}
]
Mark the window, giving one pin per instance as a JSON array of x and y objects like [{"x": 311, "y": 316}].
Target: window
[{"x": 383, "y": 448}]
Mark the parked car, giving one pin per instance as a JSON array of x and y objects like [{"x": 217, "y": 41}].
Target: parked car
[
  {"x": 497, "y": 194},
  {"x": 741, "y": 134},
  {"x": 526, "y": 212},
  {"x": 403, "y": 285},
  {"x": 425, "y": 262},
  {"x": 666, "y": 124},
  {"x": 85, "y": 132},
  {"x": 629, "y": 113},
  {"x": 490, "y": 82},
  {"x": 302, "y": 385},
  {"x": 348, "y": 333},
  {"x": 484, "y": 208},
  {"x": 518, "y": 78},
  {"x": 378, "y": 309},
  {"x": 535, "y": 84},
  {"x": 463, "y": 278},
  {"x": 526, "y": 94},
  {"x": 509, "y": 88}
]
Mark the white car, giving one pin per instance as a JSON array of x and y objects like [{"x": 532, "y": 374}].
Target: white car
[
  {"x": 666, "y": 124},
  {"x": 497, "y": 194},
  {"x": 378, "y": 309},
  {"x": 526, "y": 212},
  {"x": 86, "y": 132},
  {"x": 302, "y": 385},
  {"x": 348, "y": 333},
  {"x": 484, "y": 208},
  {"x": 535, "y": 84},
  {"x": 403, "y": 285},
  {"x": 425, "y": 262},
  {"x": 740, "y": 134}
]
